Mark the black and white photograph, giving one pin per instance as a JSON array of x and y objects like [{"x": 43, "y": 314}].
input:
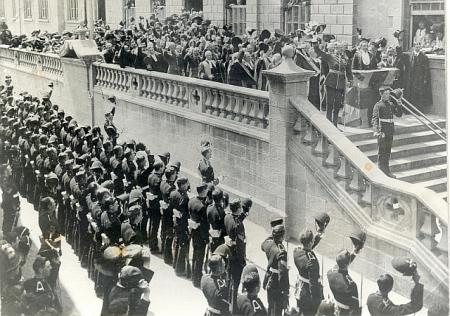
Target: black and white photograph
[{"x": 224, "y": 158}]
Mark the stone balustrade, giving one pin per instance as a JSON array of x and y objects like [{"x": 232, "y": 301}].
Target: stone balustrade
[
  {"x": 49, "y": 64},
  {"x": 402, "y": 213},
  {"x": 241, "y": 105}
]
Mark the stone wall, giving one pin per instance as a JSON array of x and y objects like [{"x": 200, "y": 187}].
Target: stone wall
[
  {"x": 214, "y": 10},
  {"x": 114, "y": 12},
  {"x": 174, "y": 7},
  {"x": 268, "y": 14},
  {"x": 339, "y": 16}
]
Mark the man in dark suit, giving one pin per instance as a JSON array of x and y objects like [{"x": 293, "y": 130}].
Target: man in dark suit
[{"x": 154, "y": 60}]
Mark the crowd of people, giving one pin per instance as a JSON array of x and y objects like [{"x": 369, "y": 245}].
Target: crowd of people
[{"x": 117, "y": 203}]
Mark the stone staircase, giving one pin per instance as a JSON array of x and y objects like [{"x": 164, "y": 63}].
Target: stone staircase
[{"x": 418, "y": 155}]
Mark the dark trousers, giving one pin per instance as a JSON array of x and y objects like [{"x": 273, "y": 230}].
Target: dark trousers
[
  {"x": 216, "y": 242},
  {"x": 308, "y": 304},
  {"x": 181, "y": 254},
  {"x": 335, "y": 101},
  {"x": 236, "y": 267},
  {"x": 198, "y": 257},
  {"x": 8, "y": 220},
  {"x": 155, "y": 220},
  {"x": 384, "y": 152},
  {"x": 167, "y": 242},
  {"x": 276, "y": 302}
]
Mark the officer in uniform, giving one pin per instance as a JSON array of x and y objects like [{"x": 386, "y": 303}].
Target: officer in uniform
[
  {"x": 167, "y": 186},
  {"x": 249, "y": 304},
  {"x": 216, "y": 215},
  {"x": 309, "y": 291},
  {"x": 215, "y": 288},
  {"x": 199, "y": 228},
  {"x": 235, "y": 229},
  {"x": 383, "y": 126},
  {"x": 204, "y": 166},
  {"x": 379, "y": 303},
  {"x": 276, "y": 280},
  {"x": 344, "y": 289}
]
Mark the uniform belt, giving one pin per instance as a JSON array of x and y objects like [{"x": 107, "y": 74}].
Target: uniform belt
[
  {"x": 336, "y": 72},
  {"x": 387, "y": 120},
  {"x": 340, "y": 305},
  {"x": 213, "y": 310},
  {"x": 273, "y": 270},
  {"x": 304, "y": 280}
]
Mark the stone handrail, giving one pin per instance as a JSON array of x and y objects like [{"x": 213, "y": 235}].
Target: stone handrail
[
  {"x": 408, "y": 211},
  {"x": 46, "y": 63},
  {"x": 242, "y": 105}
]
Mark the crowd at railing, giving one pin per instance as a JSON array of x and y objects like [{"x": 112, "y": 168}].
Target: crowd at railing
[{"x": 110, "y": 198}]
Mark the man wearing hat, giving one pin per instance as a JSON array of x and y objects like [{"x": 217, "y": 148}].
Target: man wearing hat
[
  {"x": 383, "y": 126},
  {"x": 179, "y": 201},
  {"x": 216, "y": 216},
  {"x": 235, "y": 229},
  {"x": 249, "y": 303},
  {"x": 131, "y": 294},
  {"x": 344, "y": 289},
  {"x": 204, "y": 166},
  {"x": 215, "y": 288},
  {"x": 309, "y": 290},
  {"x": 276, "y": 279},
  {"x": 379, "y": 303},
  {"x": 166, "y": 188},
  {"x": 199, "y": 229}
]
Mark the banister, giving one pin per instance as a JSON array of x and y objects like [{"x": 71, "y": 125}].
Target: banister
[
  {"x": 420, "y": 116},
  {"x": 365, "y": 166}
]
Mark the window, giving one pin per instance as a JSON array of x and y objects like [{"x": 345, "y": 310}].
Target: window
[
  {"x": 430, "y": 12},
  {"x": 43, "y": 9},
  {"x": 2, "y": 9},
  {"x": 296, "y": 16},
  {"x": 238, "y": 19},
  {"x": 27, "y": 9},
  {"x": 72, "y": 10}
]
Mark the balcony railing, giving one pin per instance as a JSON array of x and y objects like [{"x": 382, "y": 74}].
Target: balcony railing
[
  {"x": 46, "y": 63},
  {"x": 240, "y": 105}
]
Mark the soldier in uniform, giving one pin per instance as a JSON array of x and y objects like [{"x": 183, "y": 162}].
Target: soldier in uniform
[
  {"x": 344, "y": 289},
  {"x": 166, "y": 187},
  {"x": 204, "y": 166},
  {"x": 199, "y": 229},
  {"x": 215, "y": 288},
  {"x": 179, "y": 201},
  {"x": 340, "y": 71},
  {"x": 309, "y": 292},
  {"x": 249, "y": 304},
  {"x": 276, "y": 280},
  {"x": 216, "y": 215},
  {"x": 379, "y": 303},
  {"x": 383, "y": 126},
  {"x": 235, "y": 229}
]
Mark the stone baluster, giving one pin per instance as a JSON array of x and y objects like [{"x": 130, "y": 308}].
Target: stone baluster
[
  {"x": 231, "y": 105},
  {"x": 154, "y": 87},
  {"x": 429, "y": 229},
  {"x": 174, "y": 95},
  {"x": 222, "y": 104},
  {"x": 321, "y": 147},
  {"x": 245, "y": 109},
  {"x": 115, "y": 80},
  {"x": 168, "y": 91},
  {"x": 442, "y": 246},
  {"x": 208, "y": 101},
  {"x": 238, "y": 108},
  {"x": 215, "y": 102},
  {"x": 366, "y": 198},
  {"x": 260, "y": 113},
  {"x": 98, "y": 76},
  {"x": 309, "y": 136},
  {"x": 357, "y": 183},
  {"x": 301, "y": 125},
  {"x": 344, "y": 171},
  {"x": 185, "y": 96},
  {"x": 159, "y": 88},
  {"x": 330, "y": 159},
  {"x": 252, "y": 112},
  {"x": 181, "y": 96},
  {"x": 144, "y": 82}
]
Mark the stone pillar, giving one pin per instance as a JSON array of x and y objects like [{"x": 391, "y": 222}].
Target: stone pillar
[{"x": 286, "y": 81}]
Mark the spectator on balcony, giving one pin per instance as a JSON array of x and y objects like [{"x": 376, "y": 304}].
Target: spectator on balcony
[
  {"x": 421, "y": 33},
  {"x": 239, "y": 75},
  {"x": 418, "y": 83},
  {"x": 154, "y": 60},
  {"x": 193, "y": 60},
  {"x": 363, "y": 59},
  {"x": 171, "y": 55},
  {"x": 210, "y": 69}
]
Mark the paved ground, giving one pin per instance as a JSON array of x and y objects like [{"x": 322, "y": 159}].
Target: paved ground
[{"x": 170, "y": 295}]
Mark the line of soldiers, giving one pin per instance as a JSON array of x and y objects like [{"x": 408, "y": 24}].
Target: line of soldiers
[{"x": 109, "y": 198}]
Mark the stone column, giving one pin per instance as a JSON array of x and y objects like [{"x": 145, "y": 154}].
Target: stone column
[{"x": 286, "y": 81}]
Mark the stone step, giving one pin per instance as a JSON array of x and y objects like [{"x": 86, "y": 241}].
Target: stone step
[
  {"x": 411, "y": 149},
  {"x": 418, "y": 161},
  {"x": 402, "y": 139},
  {"x": 399, "y": 129},
  {"x": 423, "y": 174},
  {"x": 437, "y": 185}
]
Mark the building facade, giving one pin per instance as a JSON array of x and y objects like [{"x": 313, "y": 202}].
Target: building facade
[
  {"x": 343, "y": 17},
  {"x": 25, "y": 16}
]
